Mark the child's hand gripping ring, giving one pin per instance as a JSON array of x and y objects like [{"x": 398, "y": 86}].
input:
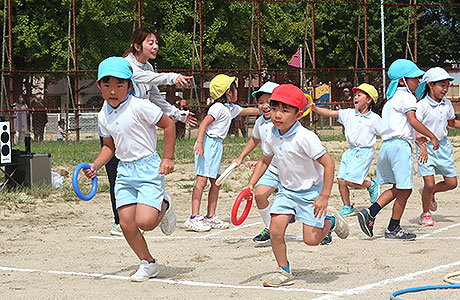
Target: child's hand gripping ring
[
  {"x": 238, "y": 221},
  {"x": 75, "y": 186}
]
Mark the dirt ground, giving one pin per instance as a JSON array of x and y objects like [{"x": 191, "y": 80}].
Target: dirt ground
[{"x": 57, "y": 250}]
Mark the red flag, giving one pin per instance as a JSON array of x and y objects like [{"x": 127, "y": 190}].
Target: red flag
[{"x": 295, "y": 59}]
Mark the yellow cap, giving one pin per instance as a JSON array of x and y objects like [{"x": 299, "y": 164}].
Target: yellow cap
[
  {"x": 219, "y": 85},
  {"x": 368, "y": 89}
]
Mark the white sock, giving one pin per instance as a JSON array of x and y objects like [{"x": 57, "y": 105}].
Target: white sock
[{"x": 265, "y": 214}]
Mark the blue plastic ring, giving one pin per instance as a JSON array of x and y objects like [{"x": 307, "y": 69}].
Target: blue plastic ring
[
  {"x": 423, "y": 288},
  {"x": 75, "y": 186}
]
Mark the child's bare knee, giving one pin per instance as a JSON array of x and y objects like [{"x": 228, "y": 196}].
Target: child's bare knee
[
  {"x": 310, "y": 241},
  {"x": 451, "y": 184}
]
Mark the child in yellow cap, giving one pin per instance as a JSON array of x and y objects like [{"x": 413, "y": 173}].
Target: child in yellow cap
[
  {"x": 208, "y": 150},
  {"x": 361, "y": 128}
]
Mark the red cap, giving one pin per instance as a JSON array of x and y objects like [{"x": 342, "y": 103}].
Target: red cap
[{"x": 291, "y": 95}]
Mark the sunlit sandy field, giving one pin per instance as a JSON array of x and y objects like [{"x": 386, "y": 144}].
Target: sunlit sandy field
[{"x": 64, "y": 251}]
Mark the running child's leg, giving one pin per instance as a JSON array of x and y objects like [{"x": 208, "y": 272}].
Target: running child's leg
[
  {"x": 366, "y": 217},
  {"x": 261, "y": 196},
  {"x": 147, "y": 217},
  {"x": 278, "y": 227},
  {"x": 131, "y": 231},
  {"x": 394, "y": 230},
  {"x": 400, "y": 203},
  {"x": 344, "y": 191},
  {"x": 428, "y": 192},
  {"x": 312, "y": 236},
  {"x": 448, "y": 184},
  {"x": 282, "y": 276}
]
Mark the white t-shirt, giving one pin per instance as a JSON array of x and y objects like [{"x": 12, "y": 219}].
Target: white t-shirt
[
  {"x": 434, "y": 115},
  {"x": 132, "y": 127},
  {"x": 60, "y": 136},
  {"x": 297, "y": 151},
  {"x": 223, "y": 115},
  {"x": 262, "y": 128},
  {"x": 394, "y": 119},
  {"x": 360, "y": 130},
  {"x": 147, "y": 80}
]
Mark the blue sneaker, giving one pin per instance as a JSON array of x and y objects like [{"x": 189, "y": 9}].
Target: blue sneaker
[
  {"x": 366, "y": 222},
  {"x": 399, "y": 234},
  {"x": 327, "y": 239},
  {"x": 374, "y": 190},
  {"x": 347, "y": 210}
]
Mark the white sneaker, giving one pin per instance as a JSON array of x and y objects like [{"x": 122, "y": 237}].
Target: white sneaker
[
  {"x": 168, "y": 223},
  {"x": 197, "y": 224},
  {"x": 146, "y": 271},
  {"x": 279, "y": 278},
  {"x": 341, "y": 227},
  {"x": 115, "y": 230},
  {"x": 215, "y": 222}
]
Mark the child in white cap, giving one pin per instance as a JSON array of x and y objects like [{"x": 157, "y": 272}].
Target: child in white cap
[
  {"x": 362, "y": 126},
  {"x": 208, "y": 150},
  {"x": 395, "y": 161},
  {"x": 269, "y": 181},
  {"x": 128, "y": 127},
  {"x": 436, "y": 112}
]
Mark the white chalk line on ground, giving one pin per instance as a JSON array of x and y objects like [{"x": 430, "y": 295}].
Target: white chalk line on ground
[
  {"x": 406, "y": 277},
  {"x": 168, "y": 281},
  {"x": 424, "y": 236},
  {"x": 329, "y": 294}
]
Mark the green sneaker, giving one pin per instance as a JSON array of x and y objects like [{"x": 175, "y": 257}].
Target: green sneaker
[
  {"x": 374, "y": 190},
  {"x": 262, "y": 237},
  {"x": 347, "y": 210}
]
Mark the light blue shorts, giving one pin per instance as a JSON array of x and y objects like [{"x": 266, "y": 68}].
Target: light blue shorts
[
  {"x": 208, "y": 165},
  {"x": 355, "y": 164},
  {"x": 297, "y": 203},
  {"x": 440, "y": 161},
  {"x": 139, "y": 182},
  {"x": 395, "y": 164},
  {"x": 269, "y": 179}
]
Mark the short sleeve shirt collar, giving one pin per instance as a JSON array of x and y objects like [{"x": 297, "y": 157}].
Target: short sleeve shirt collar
[{"x": 290, "y": 132}]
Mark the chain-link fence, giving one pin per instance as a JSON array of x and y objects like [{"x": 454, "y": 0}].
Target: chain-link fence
[{"x": 51, "y": 50}]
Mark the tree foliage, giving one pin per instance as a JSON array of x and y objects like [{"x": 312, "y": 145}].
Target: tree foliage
[{"x": 40, "y": 32}]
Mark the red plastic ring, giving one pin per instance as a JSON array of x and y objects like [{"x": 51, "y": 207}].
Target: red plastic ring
[{"x": 238, "y": 221}]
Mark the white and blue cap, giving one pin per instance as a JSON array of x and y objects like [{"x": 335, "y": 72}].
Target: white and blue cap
[
  {"x": 432, "y": 75},
  {"x": 266, "y": 88},
  {"x": 118, "y": 67},
  {"x": 398, "y": 69}
]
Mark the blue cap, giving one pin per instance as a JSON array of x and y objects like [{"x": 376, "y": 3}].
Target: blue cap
[
  {"x": 266, "y": 88},
  {"x": 398, "y": 69},
  {"x": 118, "y": 67}
]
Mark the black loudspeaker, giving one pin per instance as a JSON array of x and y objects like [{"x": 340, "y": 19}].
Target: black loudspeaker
[{"x": 5, "y": 143}]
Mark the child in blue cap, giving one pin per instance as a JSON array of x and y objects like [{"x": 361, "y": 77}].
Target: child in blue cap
[
  {"x": 127, "y": 125},
  {"x": 395, "y": 161}
]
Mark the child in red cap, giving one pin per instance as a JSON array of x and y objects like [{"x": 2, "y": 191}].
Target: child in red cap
[{"x": 306, "y": 173}]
